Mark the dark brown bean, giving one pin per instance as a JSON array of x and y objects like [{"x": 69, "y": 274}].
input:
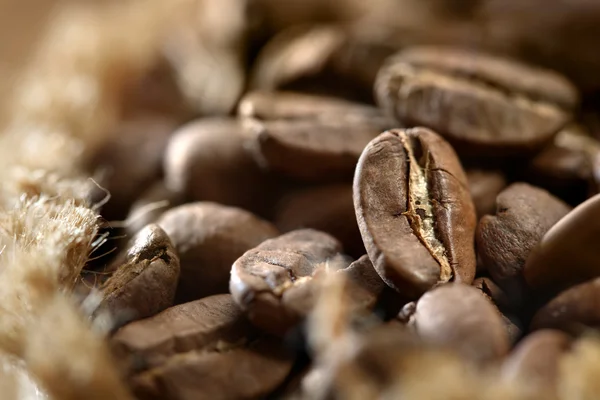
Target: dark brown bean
[
  {"x": 367, "y": 284},
  {"x": 535, "y": 361},
  {"x": 414, "y": 211},
  {"x": 130, "y": 161},
  {"x": 272, "y": 282},
  {"x": 206, "y": 161},
  {"x": 567, "y": 254},
  {"x": 484, "y": 187},
  {"x": 199, "y": 324},
  {"x": 326, "y": 208},
  {"x": 477, "y": 101},
  {"x": 489, "y": 288},
  {"x": 203, "y": 349},
  {"x": 575, "y": 310},
  {"x": 151, "y": 204},
  {"x": 320, "y": 59},
  {"x": 208, "y": 238},
  {"x": 145, "y": 284},
  {"x": 458, "y": 316},
  {"x": 248, "y": 372},
  {"x": 569, "y": 165},
  {"x": 308, "y": 137},
  {"x": 524, "y": 214}
]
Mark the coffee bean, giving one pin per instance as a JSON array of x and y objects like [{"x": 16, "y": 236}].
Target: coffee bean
[
  {"x": 294, "y": 106},
  {"x": 151, "y": 204},
  {"x": 272, "y": 282},
  {"x": 208, "y": 238},
  {"x": 326, "y": 208},
  {"x": 203, "y": 324},
  {"x": 536, "y": 360},
  {"x": 247, "y": 372},
  {"x": 320, "y": 59},
  {"x": 367, "y": 284},
  {"x": 130, "y": 161},
  {"x": 484, "y": 187},
  {"x": 524, "y": 214},
  {"x": 458, "y": 316},
  {"x": 567, "y": 253},
  {"x": 202, "y": 350},
  {"x": 568, "y": 165},
  {"x": 308, "y": 137},
  {"x": 205, "y": 160},
  {"x": 145, "y": 284},
  {"x": 573, "y": 310},
  {"x": 492, "y": 291},
  {"x": 414, "y": 211},
  {"x": 481, "y": 103},
  {"x": 514, "y": 327}
]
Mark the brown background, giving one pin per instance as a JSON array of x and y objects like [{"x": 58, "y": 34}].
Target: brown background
[{"x": 21, "y": 24}]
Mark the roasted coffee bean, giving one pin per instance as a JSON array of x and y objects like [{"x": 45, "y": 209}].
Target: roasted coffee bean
[
  {"x": 367, "y": 284},
  {"x": 272, "y": 282},
  {"x": 204, "y": 324},
  {"x": 484, "y": 187},
  {"x": 569, "y": 165},
  {"x": 458, "y": 316},
  {"x": 489, "y": 288},
  {"x": 535, "y": 360},
  {"x": 294, "y": 106},
  {"x": 414, "y": 211},
  {"x": 320, "y": 59},
  {"x": 514, "y": 328},
  {"x": 151, "y": 204},
  {"x": 326, "y": 208},
  {"x": 308, "y": 137},
  {"x": 205, "y": 349},
  {"x": 567, "y": 253},
  {"x": 206, "y": 161},
  {"x": 478, "y": 102},
  {"x": 208, "y": 238},
  {"x": 524, "y": 214},
  {"x": 130, "y": 161},
  {"x": 574, "y": 310},
  {"x": 145, "y": 283}
]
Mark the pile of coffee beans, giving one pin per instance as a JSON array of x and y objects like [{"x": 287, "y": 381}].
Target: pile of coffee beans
[{"x": 366, "y": 206}]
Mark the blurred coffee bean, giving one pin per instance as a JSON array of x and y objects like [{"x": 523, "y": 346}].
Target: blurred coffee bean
[
  {"x": 205, "y": 160},
  {"x": 157, "y": 92},
  {"x": 197, "y": 325},
  {"x": 202, "y": 350},
  {"x": 574, "y": 310},
  {"x": 458, "y": 316},
  {"x": 414, "y": 211},
  {"x": 130, "y": 161},
  {"x": 326, "y": 208},
  {"x": 504, "y": 241},
  {"x": 320, "y": 59},
  {"x": 366, "y": 285},
  {"x": 560, "y": 37},
  {"x": 567, "y": 253},
  {"x": 535, "y": 361},
  {"x": 273, "y": 281},
  {"x": 479, "y": 102},
  {"x": 514, "y": 327},
  {"x": 206, "y": 48},
  {"x": 568, "y": 165},
  {"x": 145, "y": 283},
  {"x": 208, "y": 238},
  {"x": 150, "y": 205},
  {"x": 484, "y": 187},
  {"x": 492, "y": 291},
  {"x": 308, "y": 137}
]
